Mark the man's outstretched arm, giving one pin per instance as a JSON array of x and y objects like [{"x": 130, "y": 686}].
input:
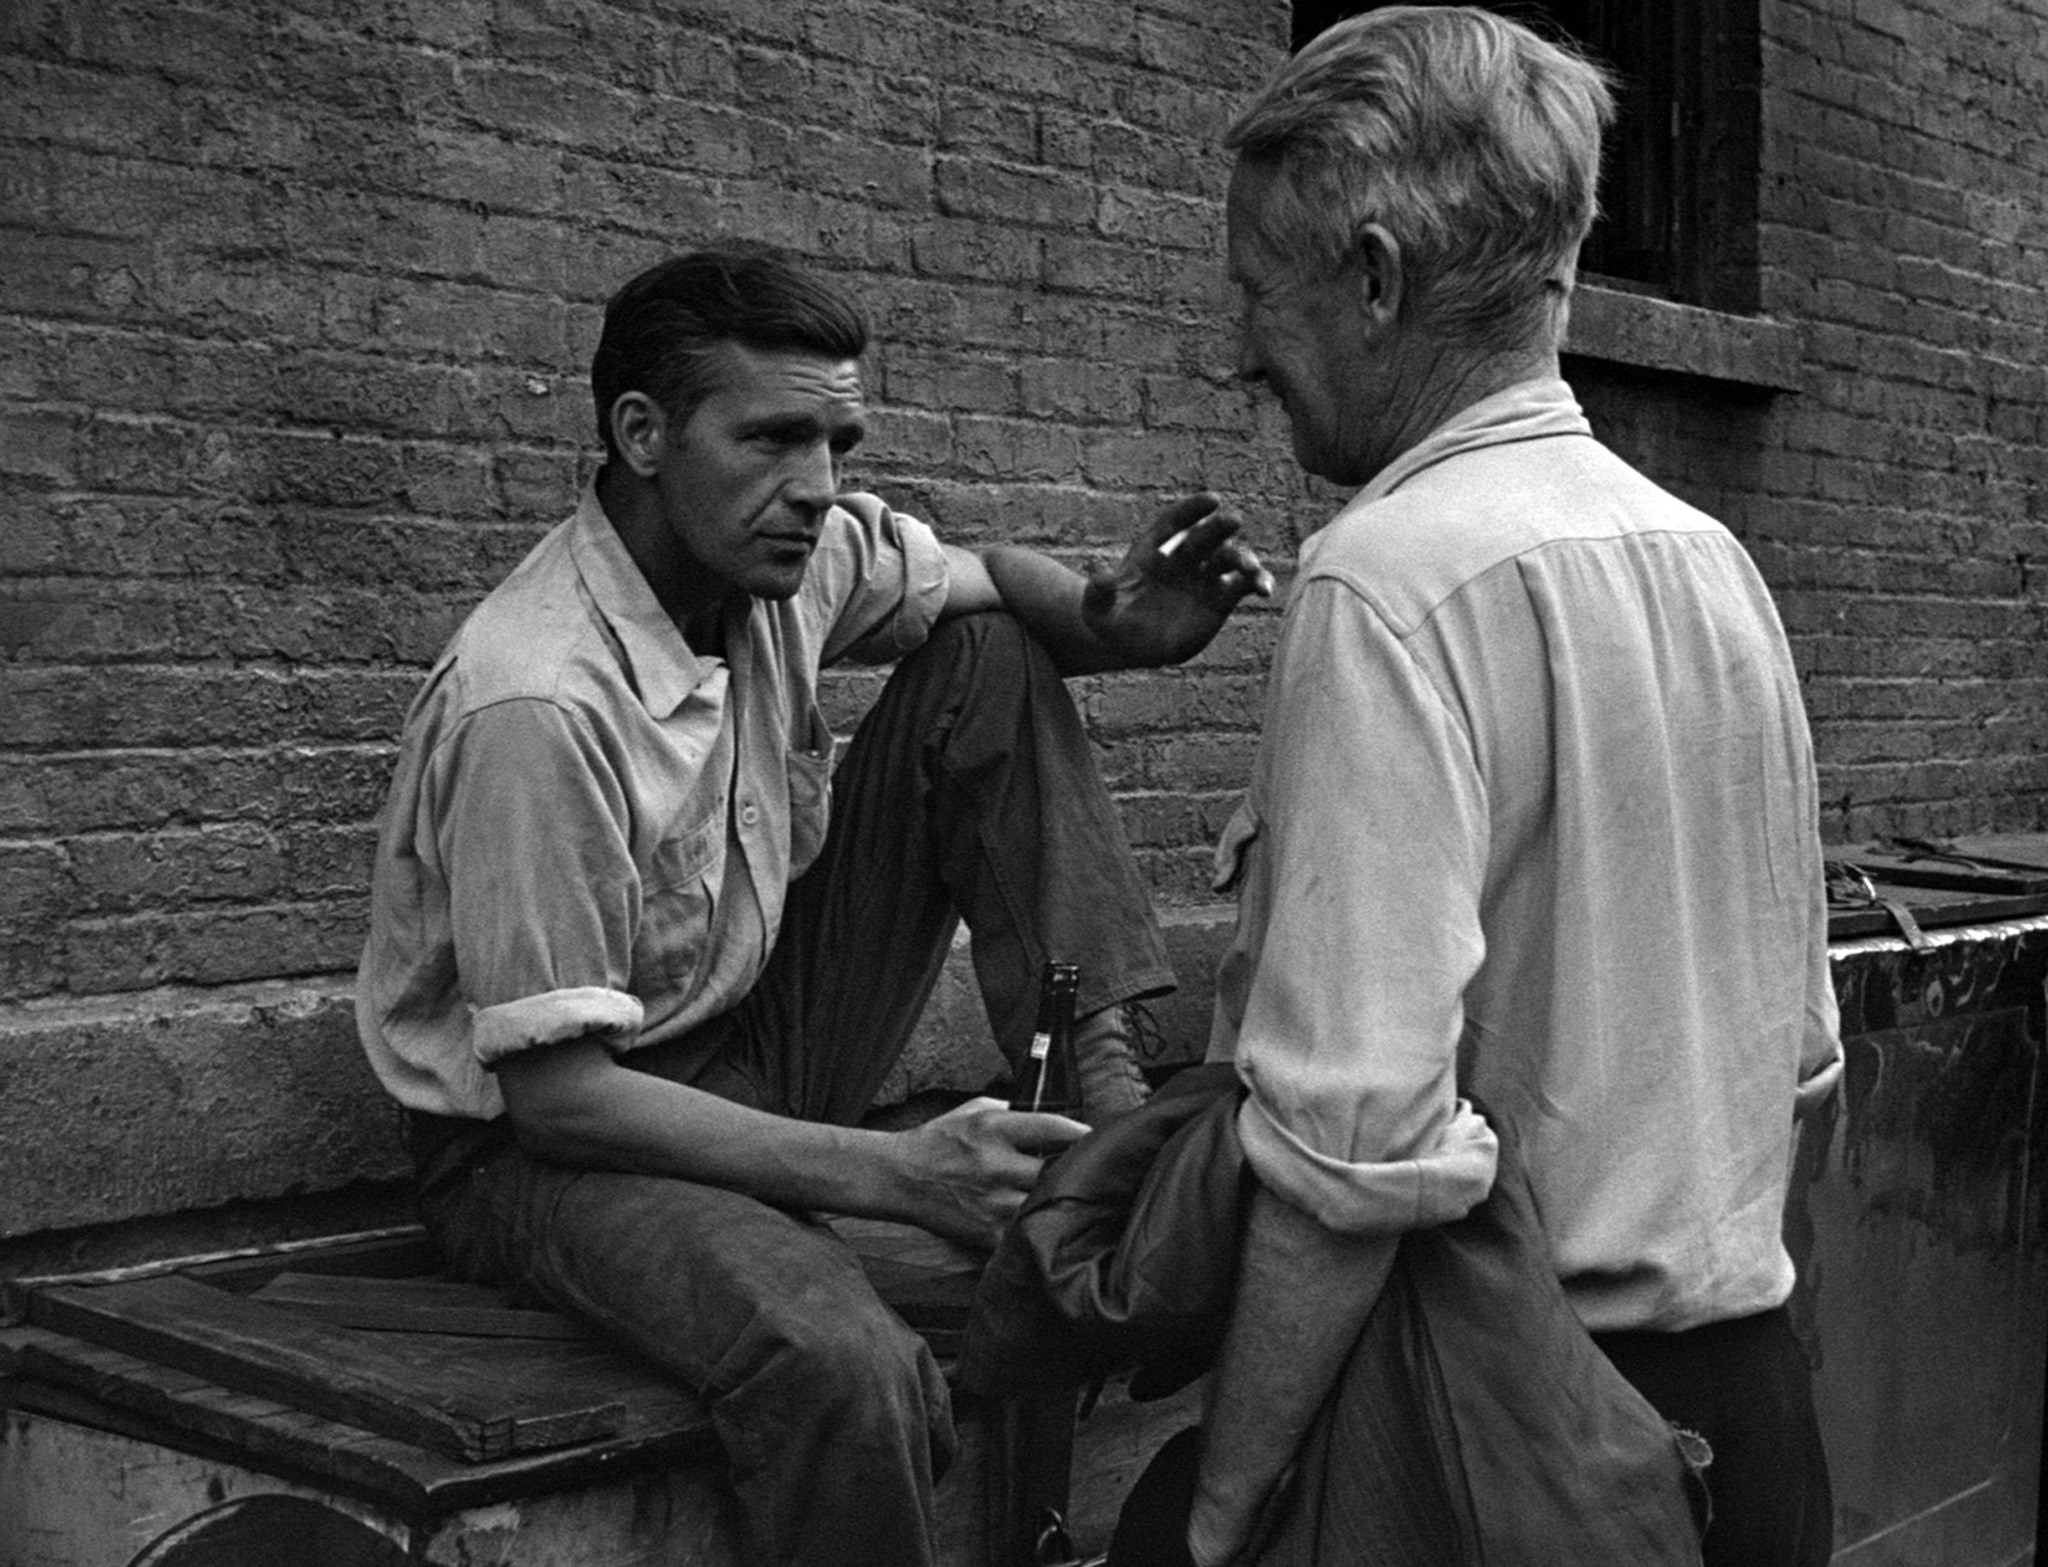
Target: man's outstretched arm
[
  {"x": 1177, "y": 583},
  {"x": 961, "y": 1175}
]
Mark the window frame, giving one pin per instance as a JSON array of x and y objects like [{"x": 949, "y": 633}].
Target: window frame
[{"x": 1689, "y": 136}]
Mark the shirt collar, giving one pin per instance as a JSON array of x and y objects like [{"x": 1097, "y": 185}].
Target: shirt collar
[
  {"x": 663, "y": 669},
  {"x": 1526, "y": 411}
]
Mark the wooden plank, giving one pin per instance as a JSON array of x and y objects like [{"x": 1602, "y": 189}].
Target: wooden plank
[
  {"x": 158, "y": 1403},
  {"x": 466, "y": 1398},
  {"x": 1933, "y": 910},
  {"x": 398, "y": 1254},
  {"x": 415, "y": 1306},
  {"x": 1951, "y": 877}
]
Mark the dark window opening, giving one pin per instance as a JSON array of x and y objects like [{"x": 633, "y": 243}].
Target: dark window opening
[{"x": 1678, "y": 188}]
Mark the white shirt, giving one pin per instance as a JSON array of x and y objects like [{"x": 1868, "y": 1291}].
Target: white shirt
[
  {"x": 591, "y": 828},
  {"x": 1534, "y": 821}
]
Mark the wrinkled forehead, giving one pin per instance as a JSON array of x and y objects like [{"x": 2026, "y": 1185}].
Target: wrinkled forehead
[{"x": 787, "y": 376}]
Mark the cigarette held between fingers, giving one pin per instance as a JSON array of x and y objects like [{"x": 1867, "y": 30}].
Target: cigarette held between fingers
[{"x": 1262, "y": 584}]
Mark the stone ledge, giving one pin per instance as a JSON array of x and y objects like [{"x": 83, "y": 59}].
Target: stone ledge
[
  {"x": 1626, "y": 328},
  {"x": 158, "y": 1105},
  {"x": 162, "y": 1101}
]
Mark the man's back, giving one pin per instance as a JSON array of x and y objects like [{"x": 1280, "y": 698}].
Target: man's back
[
  {"x": 1653, "y": 987},
  {"x": 1538, "y": 779}
]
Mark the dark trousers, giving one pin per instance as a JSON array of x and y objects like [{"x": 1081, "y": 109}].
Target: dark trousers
[
  {"x": 1747, "y": 1387},
  {"x": 969, "y": 792}
]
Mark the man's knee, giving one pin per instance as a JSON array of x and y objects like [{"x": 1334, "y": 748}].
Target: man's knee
[
  {"x": 976, "y": 684},
  {"x": 989, "y": 646},
  {"x": 857, "y": 1356}
]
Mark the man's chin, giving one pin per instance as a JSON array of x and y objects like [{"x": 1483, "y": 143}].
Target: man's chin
[{"x": 775, "y": 587}]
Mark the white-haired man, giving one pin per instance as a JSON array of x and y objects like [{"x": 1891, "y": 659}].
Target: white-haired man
[{"x": 1533, "y": 821}]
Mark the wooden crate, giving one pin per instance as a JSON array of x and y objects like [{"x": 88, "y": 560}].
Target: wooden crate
[{"x": 350, "y": 1394}]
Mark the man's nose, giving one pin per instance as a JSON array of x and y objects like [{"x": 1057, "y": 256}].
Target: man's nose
[{"x": 814, "y": 481}]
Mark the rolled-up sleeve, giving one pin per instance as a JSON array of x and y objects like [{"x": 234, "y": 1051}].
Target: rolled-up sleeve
[
  {"x": 543, "y": 897},
  {"x": 552, "y": 1017},
  {"x": 887, "y": 572},
  {"x": 1363, "y": 892}
]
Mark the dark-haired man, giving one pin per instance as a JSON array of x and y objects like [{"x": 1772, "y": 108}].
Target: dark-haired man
[{"x": 640, "y": 957}]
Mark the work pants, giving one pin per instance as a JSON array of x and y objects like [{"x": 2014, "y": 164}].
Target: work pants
[
  {"x": 1745, "y": 1385},
  {"x": 969, "y": 792}
]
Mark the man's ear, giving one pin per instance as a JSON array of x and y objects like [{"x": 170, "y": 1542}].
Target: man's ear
[
  {"x": 1377, "y": 275},
  {"x": 638, "y": 429}
]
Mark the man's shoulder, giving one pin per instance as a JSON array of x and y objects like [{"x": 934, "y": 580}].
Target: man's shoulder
[
  {"x": 533, "y": 636},
  {"x": 1409, "y": 551}
]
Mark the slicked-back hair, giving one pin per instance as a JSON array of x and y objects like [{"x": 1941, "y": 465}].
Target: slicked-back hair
[
  {"x": 1469, "y": 138},
  {"x": 665, "y": 329}
]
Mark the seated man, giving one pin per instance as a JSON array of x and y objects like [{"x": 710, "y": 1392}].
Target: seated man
[{"x": 634, "y": 976}]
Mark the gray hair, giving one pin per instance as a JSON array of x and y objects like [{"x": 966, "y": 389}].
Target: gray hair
[{"x": 1470, "y": 139}]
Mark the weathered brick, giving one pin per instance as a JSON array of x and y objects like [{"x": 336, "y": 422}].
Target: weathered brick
[
  {"x": 977, "y": 188},
  {"x": 299, "y": 300}
]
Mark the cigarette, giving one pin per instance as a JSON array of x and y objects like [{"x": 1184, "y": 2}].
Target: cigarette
[{"x": 1174, "y": 543}]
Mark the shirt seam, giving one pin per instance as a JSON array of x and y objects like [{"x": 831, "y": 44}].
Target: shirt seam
[{"x": 1356, "y": 585}]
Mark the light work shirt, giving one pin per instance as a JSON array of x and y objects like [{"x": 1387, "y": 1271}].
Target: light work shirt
[
  {"x": 591, "y": 828},
  {"x": 1534, "y": 821}
]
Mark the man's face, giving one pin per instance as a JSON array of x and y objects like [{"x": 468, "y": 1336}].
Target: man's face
[
  {"x": 746, "y": 480},
  {"x": 1302, "y": 337}
]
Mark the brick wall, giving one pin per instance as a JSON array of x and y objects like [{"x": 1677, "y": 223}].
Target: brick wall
[
  {"x": 1907, "y": 228},
  {"x": 296, "y": 302},
  {"x": 296, "y": 307},
  {"x": 1895, "y": 502}
]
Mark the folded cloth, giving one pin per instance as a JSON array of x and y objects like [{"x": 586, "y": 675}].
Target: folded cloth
[
  {"x": 1474, "y": 1422},
  {"x": 1124, "y": 1256}
]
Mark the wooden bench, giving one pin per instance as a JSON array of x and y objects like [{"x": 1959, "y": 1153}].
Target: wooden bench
[{"x": 156, "y": 1417}]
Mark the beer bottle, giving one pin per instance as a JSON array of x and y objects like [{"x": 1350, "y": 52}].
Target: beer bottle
[{"x": 1046, "y": 1078}]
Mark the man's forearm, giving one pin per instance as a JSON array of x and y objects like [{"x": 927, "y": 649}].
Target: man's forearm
[
  {"x": 1046, "y": 598},
  {"x": 1303, "y": 1295},
  {"x": 575, "y": 1105},
  {"x": 960, "y": 1175}
]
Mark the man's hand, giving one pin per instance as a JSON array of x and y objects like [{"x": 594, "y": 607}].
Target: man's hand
[
  {"x": 1176, "y": 585},
  {"x": 966, "y": 1173}
]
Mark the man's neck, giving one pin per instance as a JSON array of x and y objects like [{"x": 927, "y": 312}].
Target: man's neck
[
  {"x": 633, "y": 507},
  {"x": 1442, "y": 381}
]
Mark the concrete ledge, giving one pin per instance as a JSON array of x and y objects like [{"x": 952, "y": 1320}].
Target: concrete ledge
[
  {"x": 164, "y": 1101},
  {"x": 1656, "y": 334},
  {"x": 155, "y": 1108}
]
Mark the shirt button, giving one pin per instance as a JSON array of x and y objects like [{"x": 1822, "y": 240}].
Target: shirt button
[{"x": 749, "y": 815}]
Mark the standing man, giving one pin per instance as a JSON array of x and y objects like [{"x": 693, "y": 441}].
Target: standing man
[
  {"x": 639, "y": 957},
  {"x": 1534, "y": 816}
]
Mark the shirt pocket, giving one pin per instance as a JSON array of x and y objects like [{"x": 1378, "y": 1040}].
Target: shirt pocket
[
  {"x": 679, "y": 907},
  {"x": 810, "y": 791}
]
